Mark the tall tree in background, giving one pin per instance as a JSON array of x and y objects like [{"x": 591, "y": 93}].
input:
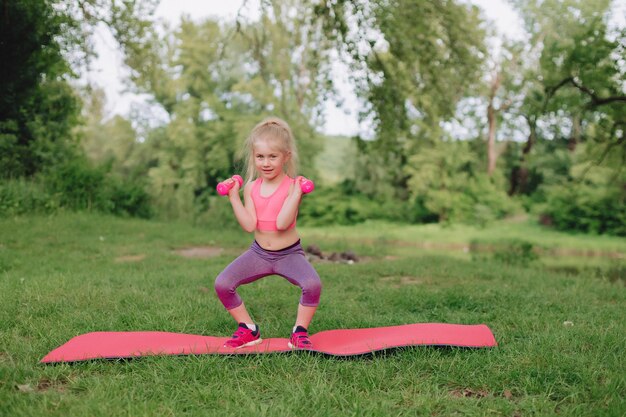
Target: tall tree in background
[
  {"x": 42, "y": 43},
  {"x": 216, "y": 81},
  {"x": 503, "y": 88},
  {"x": 412, "y": 62},
  {"x": 37, "y": 107},
  {"x": 113, "y": 142},
  {"x": 578, "y": 80}
]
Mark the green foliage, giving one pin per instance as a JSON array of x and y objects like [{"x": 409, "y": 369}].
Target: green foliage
[
  {"x": 331, "y": 205},
  {"x": 113, "y": 142},
  {"x": 431, "y": 55},
  {"x": 342, "y": 204},
  {"x": 126, "y": 198},
  {"x": 78, "y": 186},
  {"x": 591, "y": 198},
  {"x": 574, "y": 81},
  {"x": 41, "y": 133},
  {"x": 75, "y": 184},
  {"x": 508, "y": 251},
  {"x": 216, "y": 81},
  {"x": 21, "y": 196},
  {"x": 215, "y": 212},
  {"x": 586, "y": 208},
  {"x": 41, "y": 44},
  {"x": 549, "y": 164},
  {"x": 451, "y": 183},
  {"x": 336, "y": 162}
]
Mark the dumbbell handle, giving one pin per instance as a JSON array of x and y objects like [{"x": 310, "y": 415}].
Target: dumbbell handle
[{"x": 224, "y": 187}]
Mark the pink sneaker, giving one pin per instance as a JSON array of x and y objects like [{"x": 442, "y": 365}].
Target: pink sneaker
[
  {"x": 244, "y": 337},
  {"x": 300, "y": 339}
]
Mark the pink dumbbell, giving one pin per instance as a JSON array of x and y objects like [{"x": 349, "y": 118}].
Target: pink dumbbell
[
  {"x": 307, "y": 185},
  {"x": 224, "y": 187}
]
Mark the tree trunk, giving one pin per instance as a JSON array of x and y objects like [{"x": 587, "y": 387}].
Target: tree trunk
[
  {"x": 492, "y": 114},
  {"x": 520, "y": 174},
  {"x": 574, "y": 137},
  {"x": 491, "y": 139},
  {"x": 532, "y": 138}
]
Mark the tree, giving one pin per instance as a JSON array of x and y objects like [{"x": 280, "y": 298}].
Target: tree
[
  {"x": 412, "y": 62},
  {"x": 503, "y": 88},
  {"x": 577, "y": 76},
  {"x": 450, "y": 182},
  {"x": 112, "y": 142},
  {"x": 42, "y": 44},
  {"x": 37, "y": 107},
  {"x": 216, "y": 81}
]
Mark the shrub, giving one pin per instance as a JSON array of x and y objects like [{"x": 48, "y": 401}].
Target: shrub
[
  {"x": 586, "y": 208},
  {"x": 449, "y": 181},
  {"x": 340, "y": 204},
  {"x": 214, "y": 212},
  {"x": 77, "y": 186},
  {"x": 511, "y": 251},
  {"x": 123, "y": 197},
  {"x": 20, "y": 196}
]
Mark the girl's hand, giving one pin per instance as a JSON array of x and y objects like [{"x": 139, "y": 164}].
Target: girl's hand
[
  {"x": 234, "y": 191},
  {"x": 296, "y": 189}
]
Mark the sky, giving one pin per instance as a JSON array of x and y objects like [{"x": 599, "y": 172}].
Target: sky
[{"x": 108, "y": 70}]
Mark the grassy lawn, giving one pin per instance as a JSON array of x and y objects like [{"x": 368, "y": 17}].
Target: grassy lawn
[
  {"x": 561, "y": 334},
  {"x": 556, "y": 248}
]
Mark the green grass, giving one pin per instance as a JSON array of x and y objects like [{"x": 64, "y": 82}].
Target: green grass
[
  {"x": 525, "y": 229},
  {"x": 557, "y": 248},
  {"x": 59, "y": 278}
]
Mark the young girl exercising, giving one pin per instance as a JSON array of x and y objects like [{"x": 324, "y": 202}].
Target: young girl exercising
[{"x": 272, "y": 195}]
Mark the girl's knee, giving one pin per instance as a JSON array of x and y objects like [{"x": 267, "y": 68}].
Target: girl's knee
[
  {"x": 311, "y": 289},
  {"x": 223, "y": 284}
]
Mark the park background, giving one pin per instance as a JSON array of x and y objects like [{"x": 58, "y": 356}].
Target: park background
[{"x": 479, "y": 177}]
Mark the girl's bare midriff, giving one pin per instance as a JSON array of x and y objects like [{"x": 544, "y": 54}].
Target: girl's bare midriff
[{"x": 276, "y": 240}]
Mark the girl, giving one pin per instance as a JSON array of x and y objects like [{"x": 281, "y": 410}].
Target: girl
[{"x": 272, "y": 195}]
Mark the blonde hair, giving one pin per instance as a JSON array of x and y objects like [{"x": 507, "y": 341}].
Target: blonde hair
[{"x": 277, "y": 131}]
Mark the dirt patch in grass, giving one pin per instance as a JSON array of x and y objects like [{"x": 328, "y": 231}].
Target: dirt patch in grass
[
  {"x": 366, "y": 259},
  {"x": 395, "y": 281},
  {"x": 46, "y": 384},
  {"x": 131, "y": 258},
  {"x": 480, "y": 393},
  {"x": 469, "y": 393},
  {"x": 199, "y": 252}
]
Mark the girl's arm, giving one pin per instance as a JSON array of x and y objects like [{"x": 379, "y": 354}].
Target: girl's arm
[
  {"x": 246, "y": 215},
  {"x": 289, "y": 211}
]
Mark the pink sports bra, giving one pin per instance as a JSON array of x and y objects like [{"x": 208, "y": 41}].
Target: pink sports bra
[{"x": 267, "y": 208}]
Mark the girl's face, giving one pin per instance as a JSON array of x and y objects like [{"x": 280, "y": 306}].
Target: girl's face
[{"x": 268, "y": 159}]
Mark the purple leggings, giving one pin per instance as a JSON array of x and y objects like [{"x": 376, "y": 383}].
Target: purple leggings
[{"x": 257, "y": 262}]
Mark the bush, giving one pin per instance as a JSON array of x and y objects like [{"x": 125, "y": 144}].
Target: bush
[
  {"x": 214, "y": 212},
  {"x": 77, "y": 186},
  {"x": 330, "y": 206},
  {"x": 340, "y": 204},
  {"x": 449, "y": 181},
  {"x": 21, "y": 196},
  {"x": 123, "y": 197},
  {"x": 586, "y": 208},
  {"x": 511, "y": 251}
]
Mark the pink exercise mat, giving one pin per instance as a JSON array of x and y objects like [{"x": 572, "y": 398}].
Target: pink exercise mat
[{"x": 342, "y": 342}]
